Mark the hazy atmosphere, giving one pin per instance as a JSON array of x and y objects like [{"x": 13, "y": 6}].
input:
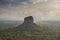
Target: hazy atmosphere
[
  {"x": 29, "y": 19},
  {"x": 39, "y": 9}
]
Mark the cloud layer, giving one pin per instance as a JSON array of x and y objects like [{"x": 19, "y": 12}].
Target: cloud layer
[{"x": 39, "y": 9}]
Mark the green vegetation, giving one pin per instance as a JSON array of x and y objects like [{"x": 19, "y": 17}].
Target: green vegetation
[
  {"x": 27, "y": 36},
  {"x": 44, "y": 33}
]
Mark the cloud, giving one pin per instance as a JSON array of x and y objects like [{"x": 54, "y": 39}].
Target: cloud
[
  {"x": 11, "y": 2},
  {"x": 38, "y": 1},
  {"x": 19, "y": 2},
  {"x": 47, "y": 10}
]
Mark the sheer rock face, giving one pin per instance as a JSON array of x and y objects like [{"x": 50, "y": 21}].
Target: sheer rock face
[
  {"x": 28, "y": 25},
  {"x": 28, "y": 19}
]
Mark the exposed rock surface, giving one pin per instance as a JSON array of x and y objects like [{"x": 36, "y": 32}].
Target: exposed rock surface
[
  {"x": 28, "y": 19},
  {"x": 28, "y": 25}
]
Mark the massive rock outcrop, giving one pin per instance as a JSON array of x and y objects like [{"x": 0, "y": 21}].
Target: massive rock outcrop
[
  {"x": 28, "y": 19},
  {"x": 28, "y": 25}
]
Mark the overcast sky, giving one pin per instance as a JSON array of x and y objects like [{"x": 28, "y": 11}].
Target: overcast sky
[{"x": 39, "y": 9}]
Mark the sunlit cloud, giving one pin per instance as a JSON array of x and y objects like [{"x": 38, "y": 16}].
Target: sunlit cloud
[
  {"x": 47, "y": 10},
  {"x": 37, "y": 1}
]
